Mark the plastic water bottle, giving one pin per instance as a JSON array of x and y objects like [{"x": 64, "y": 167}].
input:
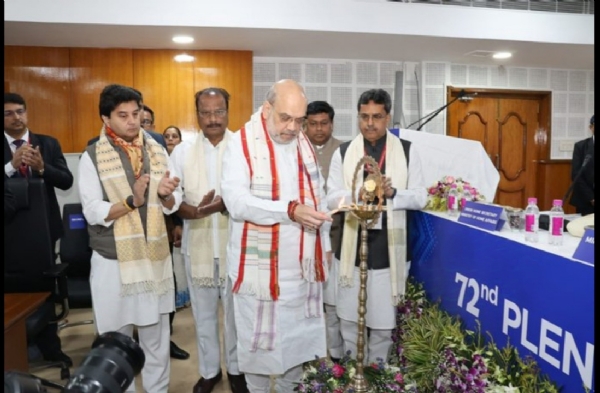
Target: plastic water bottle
[
  {"x": 532, "y": 220},
  {"x": 453, "y": 197},
  {"x": 467, "y": 196},
  {"x": 557, "y": 220}
]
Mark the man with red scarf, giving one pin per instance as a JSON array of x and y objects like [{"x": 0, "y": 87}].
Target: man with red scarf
[{"x": 278, "y": 245}]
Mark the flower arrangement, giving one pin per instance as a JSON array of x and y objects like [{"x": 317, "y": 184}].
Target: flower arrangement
[
  {"x": 438, "y": 192},
  {"x": 324, "y": 376},
  {"x": 432, "y": 352},
  {"x": 438, "y": 355}
]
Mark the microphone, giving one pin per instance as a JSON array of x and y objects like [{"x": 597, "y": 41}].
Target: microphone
[
  {"x": 466, "y": 97},
  {"x": 586, "y": 160}
]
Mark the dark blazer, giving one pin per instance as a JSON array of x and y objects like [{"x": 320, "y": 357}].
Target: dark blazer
[
  {"x": 10, "y": 205},
  {"x": 583, "y": 188},
  {"x": 56, "y": 174},
  {"x": 155, "y": 135}
]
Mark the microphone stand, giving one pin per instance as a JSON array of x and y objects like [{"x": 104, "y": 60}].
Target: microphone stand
[
  {"x": 458, "y": 97},
  {"x": 433, "y": 114}
]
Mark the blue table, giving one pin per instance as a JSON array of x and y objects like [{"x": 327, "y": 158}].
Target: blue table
[{"x": 536, "y": 297}]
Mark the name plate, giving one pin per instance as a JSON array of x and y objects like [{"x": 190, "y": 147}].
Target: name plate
[
  {"x": 585, "y": 249},
  {"x": 76, "y": 221},
  {"x": 480, "y": 215}
]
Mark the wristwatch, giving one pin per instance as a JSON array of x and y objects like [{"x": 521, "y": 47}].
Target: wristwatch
[{"x": 129, "y": 202}]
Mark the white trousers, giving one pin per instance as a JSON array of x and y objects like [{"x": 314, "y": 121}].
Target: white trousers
[
  {"x": 205, "y": 307},
  {"x": 154, "y": 341},
  {"x": 378, "y": 342},
  {"x": 335, "y": 343},
  {"x": 258, "y": 383}
]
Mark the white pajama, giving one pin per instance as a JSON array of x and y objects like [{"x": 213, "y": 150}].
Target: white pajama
[
  {"x": 205, "y": 302},
  {"x": 335, "y": 343},
  {"x": 154, "y": 341}
]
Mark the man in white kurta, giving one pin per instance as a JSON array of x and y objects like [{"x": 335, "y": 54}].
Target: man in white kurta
[
  {"x": 293, "y": 331},
  {"x": 121, "y": 299},
  {"x": 198, "y": 164},
  {"x": 387, "y": 253}
]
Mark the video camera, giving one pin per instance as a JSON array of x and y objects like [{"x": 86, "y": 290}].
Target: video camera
[{"x": 110, "y": 367}]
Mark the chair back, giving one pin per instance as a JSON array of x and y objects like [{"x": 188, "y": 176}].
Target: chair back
[
  {"x": 28, "y": 248},
  {"x": 76, "y": 252}
]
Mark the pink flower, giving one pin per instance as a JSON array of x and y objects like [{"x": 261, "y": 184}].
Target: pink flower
[
  {"x": 450, "y": 179},
  {"x": 399, "y": 378},
  {"x": 338, "y": 370}
]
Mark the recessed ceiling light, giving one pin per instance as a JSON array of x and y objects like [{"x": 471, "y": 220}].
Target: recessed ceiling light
[
  {"x": 183, "y": 58},
  {"x": 183, "y": 39},
  {"x": 502, "y": 55}
]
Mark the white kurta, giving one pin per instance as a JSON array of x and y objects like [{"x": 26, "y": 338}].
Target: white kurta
[
  {"x": 381, "y": 312},
  {"x": 298, "y": 339},
  {"x": 211, "y": 155},
  {"x": 112, "y": 310}
]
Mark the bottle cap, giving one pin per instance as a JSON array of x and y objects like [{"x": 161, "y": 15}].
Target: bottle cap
[
  {"x": 557, "y": 202},
  {"x": 532, "y": 200}
]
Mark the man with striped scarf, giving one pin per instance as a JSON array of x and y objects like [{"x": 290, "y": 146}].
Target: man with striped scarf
[{"x": 278, "y": 245}]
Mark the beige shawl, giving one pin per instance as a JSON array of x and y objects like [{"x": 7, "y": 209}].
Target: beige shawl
[
  {"x": 144, "y": 260},
  {"x": 396, "y": 169},
  {"x": 200, "y": 233}
]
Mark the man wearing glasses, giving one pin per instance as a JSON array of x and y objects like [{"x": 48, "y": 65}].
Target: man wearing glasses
[
  {"x": 387, "y": 259},
  {"x": 205, "y": 232},
  {"x": 147, "y": 123}
]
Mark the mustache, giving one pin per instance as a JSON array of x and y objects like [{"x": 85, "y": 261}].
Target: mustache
[{"x": 213, "y": 125}]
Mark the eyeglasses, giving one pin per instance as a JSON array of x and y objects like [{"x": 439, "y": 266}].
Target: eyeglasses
[
  {"x": 18, "y": 112},
  {"x": 285, "y": 118},
  {"x": 376, "y": 117},
  {"x": 217, "y": 113},
  {"x": 146, "y": 121}
]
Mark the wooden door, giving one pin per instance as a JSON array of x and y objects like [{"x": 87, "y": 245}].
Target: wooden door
[{"x": 508, "y": 126}]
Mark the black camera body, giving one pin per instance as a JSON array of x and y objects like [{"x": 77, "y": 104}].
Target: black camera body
[{"x": 110, "y": 367}]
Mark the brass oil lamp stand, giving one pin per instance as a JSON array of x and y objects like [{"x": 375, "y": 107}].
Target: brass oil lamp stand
[{"x": 367, "y": 212}]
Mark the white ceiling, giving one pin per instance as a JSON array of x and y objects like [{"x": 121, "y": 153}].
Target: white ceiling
[{"x": 302, "y": 43}]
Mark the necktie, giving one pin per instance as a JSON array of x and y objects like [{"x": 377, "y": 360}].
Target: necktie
[{"x": 23, "y": 168}]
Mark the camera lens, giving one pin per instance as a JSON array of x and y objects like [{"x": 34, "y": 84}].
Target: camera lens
[{"x": 110, "y": 367}]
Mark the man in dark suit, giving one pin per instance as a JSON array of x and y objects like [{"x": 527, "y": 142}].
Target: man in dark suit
[
  {"x": 32, "y": 155},
  {"x": 583, "y": 189}
]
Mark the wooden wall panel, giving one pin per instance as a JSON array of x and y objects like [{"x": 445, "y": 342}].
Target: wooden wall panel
[
  {"x": 231, "y": 70},
  {"x": 554, "y": 178},
  {"x": 41, "y": 76},
  {"x": 91, "y": 70},
  {"x": 167, "y": 87},
  {"x": 62, "y": 86}
]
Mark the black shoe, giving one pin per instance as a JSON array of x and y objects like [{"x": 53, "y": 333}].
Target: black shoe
[
  {"x": 178, "y": 353},
  {"x": 59, "y": 356},
  {"x": 207, "y": 385},
  {"x": 237, "y": 383},
  {"x": 335, "y": 360}
]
